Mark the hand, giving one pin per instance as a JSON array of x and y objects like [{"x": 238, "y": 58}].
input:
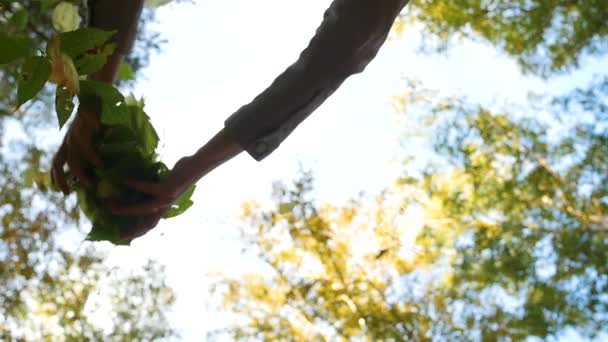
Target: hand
[
  {"x": 186, "y": 172},
  {"x": 164, "y": 194},
  {"x": 76, "y": 151}
]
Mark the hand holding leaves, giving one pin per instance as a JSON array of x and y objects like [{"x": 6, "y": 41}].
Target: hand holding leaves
[
  {"x": 77, "y": 150},
  {"x": 168, "y": 198},
  {"x": 110, "y": 139}
]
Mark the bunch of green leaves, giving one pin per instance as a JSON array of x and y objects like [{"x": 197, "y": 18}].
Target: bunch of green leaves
[
  {"x": 127, "y": 147},
  {"x": 128, "y": 142}
]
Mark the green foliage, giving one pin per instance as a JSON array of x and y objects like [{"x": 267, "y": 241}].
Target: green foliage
[
  {"x": 127, "y": 147},
  {"x": 34, "y": 75},
  {"x": 53, "y": 290},
  {"x": 64, "y": 105},
  {"x": 182, "y": 204},
  {"x": 501, "y": 235},
  {"x": 114, "y": 110},
  {"x": 545, "y": 36},
  {"x": 125, "y": 72},
  {"x": 129, "y": 141},
  {"x": 81, "y": 41},
  {"x": 13, "y": 48}
]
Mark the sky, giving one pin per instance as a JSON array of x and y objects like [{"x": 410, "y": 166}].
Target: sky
[{"x": 220, "y": 55}]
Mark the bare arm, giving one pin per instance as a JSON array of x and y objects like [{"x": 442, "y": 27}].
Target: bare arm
[{"x": 121, "y": 16}]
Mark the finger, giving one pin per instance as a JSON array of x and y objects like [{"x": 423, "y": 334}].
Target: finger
[
  {"x": 57, "y": 172},
  {"x": 58, "y": 180},
  {"x": 91, "y": 155},
  {"x": 141, "y": 229},
  {"x": 146, "y": 208},
  {"x": 77, "y": 169},
  {"x": 90, "y": 120},
  {"x": 75, "y": 163},
  {"x": 150, "y": 188},
  {"x": 85, "y": 146}
]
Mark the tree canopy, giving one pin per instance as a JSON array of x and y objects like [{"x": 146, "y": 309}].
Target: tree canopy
[
  {"x": 503, "y": 237},
  {"x": 545, "y": 36}
]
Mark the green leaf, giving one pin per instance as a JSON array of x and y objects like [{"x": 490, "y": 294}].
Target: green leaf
[
  {"x": 106, "y": 92},
  {"x": 76, "y": 43},
  {"x": 114, "y": 111},
  {"x": 163, "y": 170},
  {"x": 47, "y": 5},
  {"x": 115, "y": 114},
  {"x": 118, "y": 148},
  {"x": 90, "y": 63},
  {"x": 106, "y": 232},
  {"x": 125, "y": 72},
  {"x": 34, "y": 74},
  {"x": 14, "y": 48},
  {"x": 64, "y": 105},
  {"x": 182, "y": 204},
  {"x": 20, "y": 19},
  {"x": 146, "y": 134}
]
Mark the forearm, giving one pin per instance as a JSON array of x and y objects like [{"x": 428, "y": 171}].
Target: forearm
[
  {"x": 221, "y": 148},
  {"x": 121, "y": 16}
]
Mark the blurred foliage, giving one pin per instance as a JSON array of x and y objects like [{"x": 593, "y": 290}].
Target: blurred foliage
[
  {"x": 545, "y": 36},
  {"x": 53, "y": 287},
  {"x": 502, "y": 235},
  {"x": 50, "y": 282}
]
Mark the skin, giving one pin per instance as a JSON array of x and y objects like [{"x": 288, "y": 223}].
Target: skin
[{"x": 186, "y": 172}]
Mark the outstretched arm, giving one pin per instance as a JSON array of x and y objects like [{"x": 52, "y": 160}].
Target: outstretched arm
[{"x": 348, "y": 39}]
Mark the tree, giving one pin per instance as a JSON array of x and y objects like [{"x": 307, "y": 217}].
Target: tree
[
  {"x": 502, "y": 236},
  {"x": 545, "y": 36},
  {"x": 53, "y": 287}
]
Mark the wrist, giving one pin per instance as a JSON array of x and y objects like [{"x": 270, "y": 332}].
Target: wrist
[{"x": 221, "y": 148}]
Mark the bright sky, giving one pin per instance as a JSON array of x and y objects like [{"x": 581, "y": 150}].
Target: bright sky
[{"x": 223, "y": 53}]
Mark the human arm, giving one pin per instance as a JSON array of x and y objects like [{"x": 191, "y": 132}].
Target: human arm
[
  {"x": 349, "y": 37},
  {"x": 77, "y": 148}
]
